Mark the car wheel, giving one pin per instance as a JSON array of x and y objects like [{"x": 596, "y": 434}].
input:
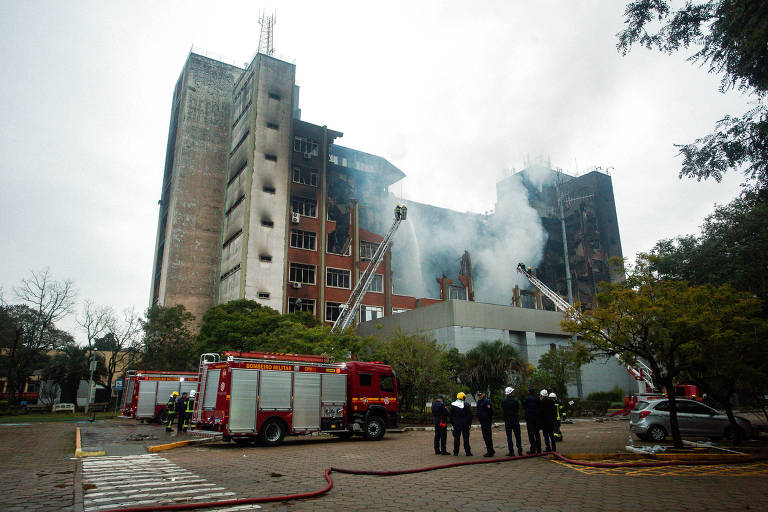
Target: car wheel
[
  {"x": 374, "y": 429},
  {"x": 272, "y": 432},
  {"x": 657, "y": 433}
]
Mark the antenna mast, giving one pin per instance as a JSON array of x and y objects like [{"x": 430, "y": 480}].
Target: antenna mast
[{"x": 267, "y": 35}]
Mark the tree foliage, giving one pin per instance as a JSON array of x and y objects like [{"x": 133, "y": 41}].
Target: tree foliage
[
  {"x": 71, "y": 365},
  {"x": 168, "y": 340},
  {"x": 563, "y": 364},
  {"x": 490, "y": 365},
  {"x": 731, "y": 37}
]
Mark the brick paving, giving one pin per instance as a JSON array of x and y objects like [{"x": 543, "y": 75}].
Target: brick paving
[{"x": 37, "y": 473}]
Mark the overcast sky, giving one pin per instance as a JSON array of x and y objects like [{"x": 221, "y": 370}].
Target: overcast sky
[{"x": 456, "y": 94}]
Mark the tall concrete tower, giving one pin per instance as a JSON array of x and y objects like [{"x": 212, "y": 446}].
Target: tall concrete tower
[{"x": 186, "y": 263}]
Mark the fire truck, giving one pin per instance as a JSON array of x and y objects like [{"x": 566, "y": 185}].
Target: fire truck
[
  {"x": 146, "y": 392},
  {"x": 265, "y": 396}
]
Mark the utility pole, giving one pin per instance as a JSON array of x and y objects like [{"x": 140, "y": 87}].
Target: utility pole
[{"x": 94, "y": 362}]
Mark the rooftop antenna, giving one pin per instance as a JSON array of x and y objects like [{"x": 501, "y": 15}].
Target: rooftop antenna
[{"x": 267, "y": 35}]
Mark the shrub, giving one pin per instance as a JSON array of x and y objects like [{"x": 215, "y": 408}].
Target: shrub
[{"x": 615, "y": 395}]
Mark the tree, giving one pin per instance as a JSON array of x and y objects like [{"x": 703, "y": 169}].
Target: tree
[
  {"x": 69, "y": 367},
  {"x": 490, "y": 365},
  {"x": 28, "y": 329},
  {"x": 122, "y": 342},
  {"x": 563, "y": 365},
  {"x": 94, "y": 322},
  {"x": 168, "y": 341},
  {"x": 732, "y": 38},
  {"x": 417, "y": 359},
  {"x": 659, "y": 321}
]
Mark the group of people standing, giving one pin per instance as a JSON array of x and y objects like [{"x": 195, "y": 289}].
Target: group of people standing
[
  {"x": 542, "y": 413},
  {"x": 180, "y": 408}
]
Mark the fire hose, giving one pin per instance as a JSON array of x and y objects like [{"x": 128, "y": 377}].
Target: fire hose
[{"x": 327, "y": 475}]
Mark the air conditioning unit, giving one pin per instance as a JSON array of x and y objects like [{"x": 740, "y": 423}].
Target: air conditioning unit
[
  {"x": 295, "y": 217},
  {"x": 295, "y": 284},
  {"x": 307, "y": 155}
]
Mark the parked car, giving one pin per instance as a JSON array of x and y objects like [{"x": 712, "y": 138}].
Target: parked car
[{"x": 650, "y": 420}]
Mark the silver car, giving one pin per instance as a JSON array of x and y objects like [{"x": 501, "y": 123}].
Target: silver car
[{"x": 650, "y": 420}]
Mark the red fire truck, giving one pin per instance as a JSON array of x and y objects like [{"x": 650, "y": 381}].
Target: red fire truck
[
  {"x": 264, "y": 396},
  {"x": 146, "y": 392}
]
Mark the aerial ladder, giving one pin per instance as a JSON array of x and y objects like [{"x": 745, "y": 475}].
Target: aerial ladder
[
  {"x": 349, "y": 310},
  {"x": 641, "y": 372}
]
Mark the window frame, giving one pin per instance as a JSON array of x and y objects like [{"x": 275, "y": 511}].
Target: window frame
[
  {"x": 296, "y": 265},
  {"x": 330, "y": 303},
  {"x": 303, "y": 301},
  {"x": 304, "y": 201},
  {"x": 304, "y": 235},
  {"x": 341, "y": 272}
]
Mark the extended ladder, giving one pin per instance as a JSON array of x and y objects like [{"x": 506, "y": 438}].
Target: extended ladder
[
  {"x": 641, "y": 372},
  {"x": 349, "y": 310}
]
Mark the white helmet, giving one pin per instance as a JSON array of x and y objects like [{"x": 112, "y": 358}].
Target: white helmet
[
  {"x": 508, "y": 390},
  {"x": 192, "y": 394},
  {"x": 552, "y": 395},
  {"x": 543, "y": 392}
]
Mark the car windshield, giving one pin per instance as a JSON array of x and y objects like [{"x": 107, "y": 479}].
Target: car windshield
[{"x": 639, "y": 406}]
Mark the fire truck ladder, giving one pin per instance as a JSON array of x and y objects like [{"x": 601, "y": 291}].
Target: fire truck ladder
[
  {"x": 349, "y": 310},
  {"x": 641, "y": 371}
]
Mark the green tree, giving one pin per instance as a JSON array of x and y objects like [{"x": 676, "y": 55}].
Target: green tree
[
  {"x": 70, "y": 366},
  {"x": 490, "y": 366},
  {"x": 731, "y": 37},
  {"x": 563, "y": 364},
  {"x": 168, "y": 341},
  {"x": 418, "y": 361},
  {"x": 659, "y": 321}
]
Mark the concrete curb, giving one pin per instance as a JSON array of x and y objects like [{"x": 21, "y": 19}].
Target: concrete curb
[
  {"x": 79, "y": 452},
  {"x": 78, "y": 488}
]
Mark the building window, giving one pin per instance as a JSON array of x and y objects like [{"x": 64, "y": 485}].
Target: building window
[
  {"x": 371, "y": 313},
  {"x": 303, "y": 239},
  {"x": 268, "y": 189},
  {"x": 231, "y": 239},
  {"x": 337, "y": 278},
  {"x": 274, "y": 96},
  {"x": 396, "y": 311},
  {"x": 267, "y": 223},
  {"x": 331, "y": 246},
  {"x": 297, "y": 304},
  {"x": 306, "y": 145},
  {"x": 367, "y": 250},
  {"x": 263, "y": 295},
  {"x": 230, "y": 272},
  {"x": 265, "y": 258},
  {"x": 332, "y": 311},
  {"x": 301, "y": 273},
  {"x": 305, "y": 176},
  {"x": 377, "y": 284},
  {"x": 235, "y": 205},
  {"x": 304, "y": 206},
  {"x": 270, "y": 157},
  {"x": 457, "y": 293},
  {"x": 273, "y": 126}
]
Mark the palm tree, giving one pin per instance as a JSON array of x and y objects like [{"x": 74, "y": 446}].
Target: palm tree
[{"x": 489, "y": 366}]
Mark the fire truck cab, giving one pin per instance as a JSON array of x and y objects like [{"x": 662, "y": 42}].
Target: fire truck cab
[
  {"x": 265, "y": 396},
  {"x": 146, "y": 392}
]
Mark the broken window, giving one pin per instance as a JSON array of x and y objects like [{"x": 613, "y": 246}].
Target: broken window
[
  {"x": 305, "y": 176},
  {"x": 301, "y": 273},
  {"x": 367, "y": 250},
  {"x": 306, "y": 145},
  {"x": 336, "y": 246},
  {"x": 297, "y": 304},
  {"x": 337, "y": 278},
  {"x": 304, "y": 206},
  {"x": 371, "y": 313},
  {"x": 301, "y": 239},
  {"x": 332, "y": 311}
]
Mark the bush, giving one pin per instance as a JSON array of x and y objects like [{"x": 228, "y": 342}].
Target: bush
[
  {"x": 589, "y": 408},
  {"x": 615, "y": 395}
]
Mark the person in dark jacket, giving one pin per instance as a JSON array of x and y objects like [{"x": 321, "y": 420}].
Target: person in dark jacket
[
  {"x": 485, "y": 416},
  {"x": 440, "y": 415},
  {"x": 181, "y": 412},
  {"x": 461, "y": 418},
  {"x": 510, "y": 407},
  {"x": 531, "y": 406},
  {"x": 170, "y": 408},
  {"x": 547, "y": 415}
]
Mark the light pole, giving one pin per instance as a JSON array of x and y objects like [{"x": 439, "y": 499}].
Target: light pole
[{"x": 90, "y": 385}]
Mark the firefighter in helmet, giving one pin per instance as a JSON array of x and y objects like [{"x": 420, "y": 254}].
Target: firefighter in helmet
[
  {"x": 170, "y": 408},
  {"x": 558, "y": 417},
  {"x": 189, "y": 409},
  {"x": 181, "y": 412}
]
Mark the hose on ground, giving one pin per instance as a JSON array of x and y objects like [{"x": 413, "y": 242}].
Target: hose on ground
[{"x": 314, "y": 494}]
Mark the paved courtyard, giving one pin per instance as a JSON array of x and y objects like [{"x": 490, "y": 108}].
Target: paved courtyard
[{"x": 37, "y": 473}]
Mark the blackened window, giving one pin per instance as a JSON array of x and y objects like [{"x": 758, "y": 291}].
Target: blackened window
[
  {"x": 305, "y": 176},
  {"x": 304, "y": 206}
]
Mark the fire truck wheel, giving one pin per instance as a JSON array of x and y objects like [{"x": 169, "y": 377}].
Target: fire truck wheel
[
  {"x": 272, "y": 432},
  {"x": 374, "y": 429}
]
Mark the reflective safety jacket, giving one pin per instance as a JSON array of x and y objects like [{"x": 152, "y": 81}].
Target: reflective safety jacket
[
  {"x": 190, "y": 405},
  {"x": 171, "y": 405}
]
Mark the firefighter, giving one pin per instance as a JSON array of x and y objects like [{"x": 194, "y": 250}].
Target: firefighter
[
  {"x": 558, "y": 435},
  {"x": 440, "y": 415},
  {"x": 485, "y": 415},
  {"x": 510, "y": 408},
  {"x": 531, "y": 405},
  {"x": 190, "y": 409},
  {"x": 461, "y": 418},
  {"x": 547, "y": 420},
  {"x": 170, "y": 408},
  {"x": 181, "y": 412}
]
